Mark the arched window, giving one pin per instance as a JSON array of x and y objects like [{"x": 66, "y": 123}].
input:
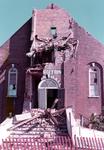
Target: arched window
[
  {"x": 12, "y": 81},
  {"x": 94, "y": 80}
]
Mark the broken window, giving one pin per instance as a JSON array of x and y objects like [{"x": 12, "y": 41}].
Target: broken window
[
  {"x": 94, "y": 80},
  {"x": 12, "y": 82}
]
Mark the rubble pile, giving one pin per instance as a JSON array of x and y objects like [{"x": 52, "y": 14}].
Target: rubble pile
[{"x": 42, "y": 124}]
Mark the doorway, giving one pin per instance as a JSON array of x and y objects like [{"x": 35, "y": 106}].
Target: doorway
[
  {"x": 47, "y": 93},
  {"x": 52, "y": 94}
]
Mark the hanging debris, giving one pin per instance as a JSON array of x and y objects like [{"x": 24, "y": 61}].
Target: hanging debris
[
  {"x": 50, "y": 44},
  {"x": 36, "y": 70}
]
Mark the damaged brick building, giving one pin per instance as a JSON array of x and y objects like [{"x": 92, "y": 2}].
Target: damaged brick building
[{"x": 51, "y": 57}]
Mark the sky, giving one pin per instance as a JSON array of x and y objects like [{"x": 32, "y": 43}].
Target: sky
[{"x": 88, "y": 13}]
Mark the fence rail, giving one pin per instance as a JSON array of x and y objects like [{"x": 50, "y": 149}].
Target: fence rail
[
  {"x": 86, "y": 143},
  {"x": 56, "y": 143}
]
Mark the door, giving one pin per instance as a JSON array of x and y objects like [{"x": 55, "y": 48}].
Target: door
[{"x": 42, "y": 101}]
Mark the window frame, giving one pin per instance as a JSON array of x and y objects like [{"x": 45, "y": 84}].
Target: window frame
[
  {"x": 12, "y": 70},
  {"x": 96, "y": 86}
]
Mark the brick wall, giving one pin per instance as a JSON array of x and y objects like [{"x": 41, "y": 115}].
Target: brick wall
[
  {"x": 76, "y": 69},
  {"x": 89, "y": 50},
  {"x": 14, "y": 52}
]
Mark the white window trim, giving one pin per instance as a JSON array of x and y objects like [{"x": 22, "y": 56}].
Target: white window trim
[{"x": 98, "y": 76}]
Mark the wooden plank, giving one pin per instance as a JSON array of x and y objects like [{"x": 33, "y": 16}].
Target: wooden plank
[
  {"x": 93, "y": 143},
  {"x": 88, "y": 143},
  {"x": 102, "y": 142},
  {"x": 66, "y": 142},
  {"x": 96, "y": 143},
  {"x": 99, "y": 143}
]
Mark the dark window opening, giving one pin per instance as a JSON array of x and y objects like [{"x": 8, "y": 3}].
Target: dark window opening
[
  {"x": 54, "y": 32},
  {"x": 44, "y": 57},
  {"x": 95, "y": 80}
]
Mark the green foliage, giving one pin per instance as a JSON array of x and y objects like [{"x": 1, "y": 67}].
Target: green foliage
[{"x": 97, "y": 122}]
